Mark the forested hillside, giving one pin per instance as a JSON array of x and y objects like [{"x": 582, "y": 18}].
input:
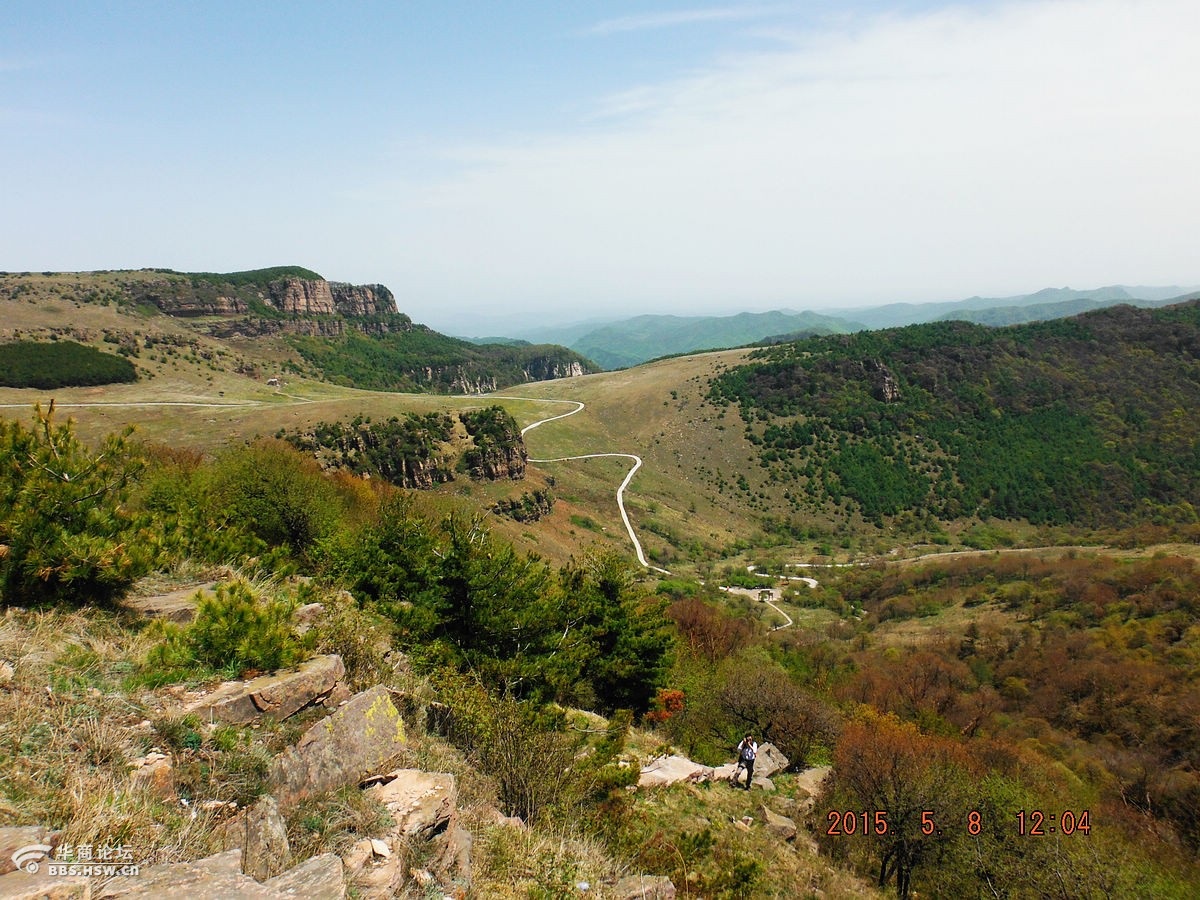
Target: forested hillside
[
  {"x": 420, "y": 359},
  {"x": 60, "y": 364},
  {"x": 1084, "y": 421},
  {"x": 1070, "y": 688}
]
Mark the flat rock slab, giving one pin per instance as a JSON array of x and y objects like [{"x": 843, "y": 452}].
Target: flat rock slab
[
  {"x": 810, "y": 779},
  {"x": 279, "y": 694},
  {"x": 317, "y": 878},
  {"x": 727, "y": 772},
  {"x": 213, "y": 878},
  {"x": 40, "y": 886},
  {"x": 219, "y": 878},
  {"x": 357, "y": 741},
  {"x": 421, "y": 803},
  {"x": 672, "y": 770},
  {"x": 176, "y": 606},
  {"x": 14, "y": 838}
]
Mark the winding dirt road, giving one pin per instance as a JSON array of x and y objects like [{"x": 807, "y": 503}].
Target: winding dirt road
[
  {"x": 637, "y": 464},
  {"x": 757, "y": 594}
]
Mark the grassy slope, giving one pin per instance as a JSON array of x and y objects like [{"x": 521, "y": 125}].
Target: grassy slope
[
  {"x": 685, "y": 502},
  {"x": 630, "y": 411}
]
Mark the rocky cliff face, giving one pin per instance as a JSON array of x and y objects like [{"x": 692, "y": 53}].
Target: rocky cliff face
[
  {"x": 544, "y": 368},
  {"x": 420, "y": 451},
  {"x": 297, "y": 297},
  {"x": 316, "y": 326},
  {"x": 496, "y": 462},
  {"x": 176, "y": 297},
  {"x": 305, "y": 297},
  {"x": 883, "y": 383},
  {"x": 499, "y": 450},
  {"x": 294, "y": 297},
  {"x": 362, "y": 299}
]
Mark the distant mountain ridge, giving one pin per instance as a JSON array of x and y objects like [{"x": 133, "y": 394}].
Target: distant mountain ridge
[
  {"x": 642, "y": 338},
  {"x": 627, "y": 342},
  {"x": 1038, "y": 305}
]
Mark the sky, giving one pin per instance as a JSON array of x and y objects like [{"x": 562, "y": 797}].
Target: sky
[{"x": 503, "y": 163}]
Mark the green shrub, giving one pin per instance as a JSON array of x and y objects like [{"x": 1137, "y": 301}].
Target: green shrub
[
  {"x": 66, "y": 534},
  {"x": 236, "y": 630},
  {"x": 539, "y": 769},
  {"x": 275, "y": 493},
  {"x": 358, "y": 635},
  {"x": 237, "y": 627},
  {"x": 177, "y": 492}
]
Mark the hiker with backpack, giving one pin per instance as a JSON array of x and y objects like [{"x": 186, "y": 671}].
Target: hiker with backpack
[{"x": 747, "y": 752}]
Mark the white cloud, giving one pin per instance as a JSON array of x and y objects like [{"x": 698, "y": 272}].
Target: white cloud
[{"x": 938, "y": 155}]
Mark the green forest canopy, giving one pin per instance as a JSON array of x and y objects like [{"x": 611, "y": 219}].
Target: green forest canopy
[
  {"x": 1080, "y": 420},
  {"x": 33, "y": 364}
]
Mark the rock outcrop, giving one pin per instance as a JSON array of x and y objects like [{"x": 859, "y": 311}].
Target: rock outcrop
[
  {"x": 362, "y": 299},
  {"x": 355, "y": 742},
  {"x": 499, "y": 450},
  {"x": 297, "y": 297},
  {"x": 319, "y": 326},
  {"x": 307, "y": 297},
  {"x": 180, "y": 297},
  {"x": 261, "y": 834},
  {"x": 422, "y": 804},
  {"x": 546, "y": 368},
  {"x": 14, "y": 838},
  {"x": 42, "y": 886},
  {"x": 154, "y": 774},
  {"x": 178, "y": 606},
  {"x": 672, "y": 770},
  {"x": 453, "y": 849},
  {"x": 770, "y": 761},
  {"x": 220, "y": 878},
  {"x": 779, "y": 825},
  {"x": 279, "y": 694},
  {"x": 263, "y": 299},
  {"x": 883, "y": 383}
]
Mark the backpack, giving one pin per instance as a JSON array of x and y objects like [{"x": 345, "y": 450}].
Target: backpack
[{"x": 747, "y": 754}]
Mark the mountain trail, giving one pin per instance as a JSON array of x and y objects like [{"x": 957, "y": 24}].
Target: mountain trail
[{"x": 637, "y": 464}]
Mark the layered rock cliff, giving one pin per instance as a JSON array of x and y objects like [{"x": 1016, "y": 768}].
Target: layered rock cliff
[
  {"x": 420, "y": 451},
  {"x": 499, "y": 450},
  {"x": 308, "y": 297},
  {"x": 291, "y": 296},
  {"x": 412, "y": 452}
]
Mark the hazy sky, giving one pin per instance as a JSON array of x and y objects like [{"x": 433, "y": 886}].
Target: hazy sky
[{"x": 562, "y": 160}]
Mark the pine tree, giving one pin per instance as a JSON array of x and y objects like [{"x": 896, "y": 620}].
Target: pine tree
[{"x": 66, "y": 535}]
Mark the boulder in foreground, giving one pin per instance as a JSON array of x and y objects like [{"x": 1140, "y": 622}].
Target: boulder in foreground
[{"x": 357, "y": 741}]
